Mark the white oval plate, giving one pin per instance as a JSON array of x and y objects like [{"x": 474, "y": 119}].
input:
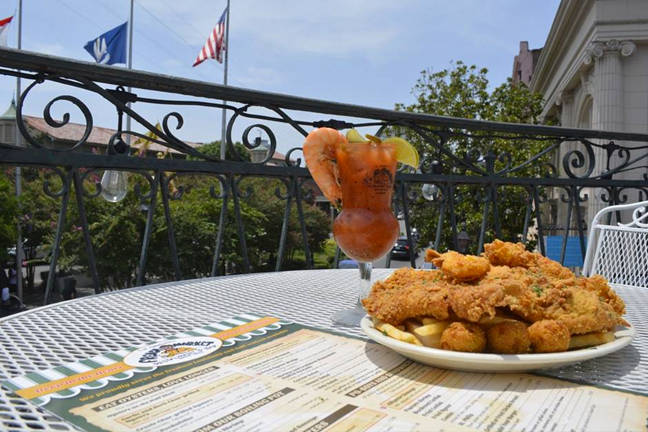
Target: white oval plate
[{"x": 501, "y": 363}]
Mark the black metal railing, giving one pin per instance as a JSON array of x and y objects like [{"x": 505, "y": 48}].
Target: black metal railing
[{"x": 569, "y": 169}]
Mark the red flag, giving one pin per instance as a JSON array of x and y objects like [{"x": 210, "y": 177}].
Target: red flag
[
  {"x": 215, "y": 44},
  {"x": 4, "y": 30}
]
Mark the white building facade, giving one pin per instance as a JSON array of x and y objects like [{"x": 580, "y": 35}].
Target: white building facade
[{"x": 593, "y": 73}]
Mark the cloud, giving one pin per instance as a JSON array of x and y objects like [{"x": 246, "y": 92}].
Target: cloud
[
  {"x": 321, "y": 27},
  {"x": 259, "y": 77},
  {"x": 52, "y": 49}
]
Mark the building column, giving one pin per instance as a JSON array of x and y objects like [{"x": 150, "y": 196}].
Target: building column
[
  {"x": 567, "y": 119},
  {"x": 607, "y": 110},
  {"x": 567, "y": 114}
]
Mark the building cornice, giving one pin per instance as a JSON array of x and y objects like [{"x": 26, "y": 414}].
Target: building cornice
[
  {"x": 569, "y": 12},
  {"x": 620, "y": 22}
]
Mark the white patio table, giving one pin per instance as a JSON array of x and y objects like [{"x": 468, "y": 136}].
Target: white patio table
[{"x": 74, "y": 330}]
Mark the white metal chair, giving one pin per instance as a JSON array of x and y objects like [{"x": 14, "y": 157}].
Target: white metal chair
[{"x": 619, "y": 252}]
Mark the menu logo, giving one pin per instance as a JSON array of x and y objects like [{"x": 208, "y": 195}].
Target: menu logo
[{"x": 173, "y": 351}]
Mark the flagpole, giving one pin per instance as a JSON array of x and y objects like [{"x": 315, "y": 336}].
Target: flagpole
[
  {"x": 18, "y": 142},
  {"x": 227, "y": 33},
  {"x": 130, "y": 64}
]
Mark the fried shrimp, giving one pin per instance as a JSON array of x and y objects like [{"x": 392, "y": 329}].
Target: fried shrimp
[
  {"x": 458, "y": 266},
  {"x": 464, "y": 337},
  {"x": 510, "y": 337},
  {"x": 549, "y": 336},
  {"x": 500, "y": 253},
  {"x": 320, "y": 149}
]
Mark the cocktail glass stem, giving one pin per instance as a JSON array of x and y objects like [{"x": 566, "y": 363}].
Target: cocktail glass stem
[
  {"x": 352, "y": 317},
  {"x": 365, "y": 283}
]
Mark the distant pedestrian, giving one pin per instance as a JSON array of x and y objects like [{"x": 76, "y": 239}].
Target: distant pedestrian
[
  {"x": 4, "y": 285},
  {"x": 13, "y": 279}
]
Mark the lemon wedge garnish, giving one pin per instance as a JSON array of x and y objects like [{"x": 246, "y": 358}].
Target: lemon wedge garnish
[
  {"x": 405, "y": 152},
  {"x": 374, "y": 139},
  {"x": 353, "y": 136}
]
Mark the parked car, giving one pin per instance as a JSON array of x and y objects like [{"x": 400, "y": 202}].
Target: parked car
[{"x": 401, "y": 249}]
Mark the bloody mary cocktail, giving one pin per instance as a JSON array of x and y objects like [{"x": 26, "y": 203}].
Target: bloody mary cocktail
[
  {"x": 357, "y": 176},
  {"x": 366, "y": 229}
]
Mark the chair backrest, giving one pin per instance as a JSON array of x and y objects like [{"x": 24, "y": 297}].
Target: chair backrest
[{"x": 619, "y": 252}]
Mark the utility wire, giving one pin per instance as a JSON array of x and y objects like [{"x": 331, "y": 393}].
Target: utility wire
[
  {"x": 102, "y": 29},
  {"x": 193, "y": 47},
  {"x": 111, "y": 11},
  {"x": 201, "y": 34},
  {"x": 152, "y": 41}
]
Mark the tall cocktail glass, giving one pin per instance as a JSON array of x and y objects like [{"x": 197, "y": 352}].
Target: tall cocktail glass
[{"x": 366, "y": 228}]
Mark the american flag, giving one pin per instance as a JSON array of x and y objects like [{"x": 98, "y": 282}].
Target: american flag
[{"x": 215, "y": 44}]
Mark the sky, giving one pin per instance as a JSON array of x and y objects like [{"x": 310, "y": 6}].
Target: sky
[{"x": 364, "y": 52}]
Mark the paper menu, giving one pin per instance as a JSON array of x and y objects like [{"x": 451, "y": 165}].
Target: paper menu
[{"x": 268, "y": 374}]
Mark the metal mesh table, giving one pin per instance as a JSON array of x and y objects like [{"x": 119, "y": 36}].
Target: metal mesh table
[{"x": 74, "y": 330}]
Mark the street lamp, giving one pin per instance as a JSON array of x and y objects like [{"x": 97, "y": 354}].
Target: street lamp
[
  {"x": 463, "y": 240},
  {"x": 114, "y": 184},
  {"x": 431, "y": 191}
]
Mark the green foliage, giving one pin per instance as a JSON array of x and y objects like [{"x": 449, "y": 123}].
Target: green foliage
[
  {"x": 463, "y": 91},
  {"x": 213, "y": 149},
  {"x": 195, "y": 220},
  {"x": 318, "y": 226},
  {"x": 9, "y": 211},
  {"x": 39, "y": 216},
  {"x": 117, "y": 231}
]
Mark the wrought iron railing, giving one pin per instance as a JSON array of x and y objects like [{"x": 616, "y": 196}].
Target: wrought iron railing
[{"x": 571, "y": 167}]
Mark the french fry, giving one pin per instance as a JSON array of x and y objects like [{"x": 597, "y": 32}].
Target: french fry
[
  {"x": 590, "y": 339},
  {"x": 432, "y": 329},
  {"x": 411, "y": 325},
  {"x": 430, "y": 335},
  {"x": 395, "y": 333},
  {"x": 427, "y": 321}
]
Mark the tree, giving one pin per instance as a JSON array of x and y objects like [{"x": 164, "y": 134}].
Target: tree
[
  {"x": 213, "y": 149},
  {"x": 9, "y": 211},
  {"x": 39, "y": 216},
  {"x": 265, "y": 199},
  {"x": 463, "y": 91}
]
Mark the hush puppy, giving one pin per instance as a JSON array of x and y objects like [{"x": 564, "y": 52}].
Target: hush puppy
[
  {"x": 509, "y": 337},
  {"x": 549, "y": 336},
  {"x": 464, "y": 337}
]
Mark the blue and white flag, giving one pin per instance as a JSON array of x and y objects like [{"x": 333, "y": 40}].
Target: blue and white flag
[{"x": 110, "y": 47}]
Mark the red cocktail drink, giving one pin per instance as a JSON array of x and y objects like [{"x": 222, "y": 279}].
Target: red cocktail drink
[
  {"x": 366, "y": 229},
  {"x": 358, "y": 177}
]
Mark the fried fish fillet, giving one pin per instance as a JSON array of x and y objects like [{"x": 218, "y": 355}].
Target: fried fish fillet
[
  {"x": 470, "y": 288},
  {"x": 580, "y": 310},
  {"x": 409, "y": 293}
]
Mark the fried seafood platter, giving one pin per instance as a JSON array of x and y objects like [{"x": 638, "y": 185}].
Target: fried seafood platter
[{"x": 507, "y": 301}]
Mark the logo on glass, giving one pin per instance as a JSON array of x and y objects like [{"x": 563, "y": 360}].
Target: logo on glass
[{"x": 381, "y": 180}]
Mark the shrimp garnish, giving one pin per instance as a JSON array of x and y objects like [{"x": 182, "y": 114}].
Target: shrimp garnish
[{"x": 320, "y": 149}]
